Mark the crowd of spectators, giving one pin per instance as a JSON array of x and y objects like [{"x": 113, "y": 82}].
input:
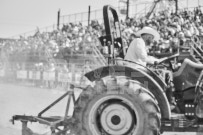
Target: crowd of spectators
[
  {"x": 73, "y": 38},
  {"x": 174, "y": 28}
]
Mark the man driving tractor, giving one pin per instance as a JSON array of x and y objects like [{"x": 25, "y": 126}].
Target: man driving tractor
[{"x": 137, "y": 52}]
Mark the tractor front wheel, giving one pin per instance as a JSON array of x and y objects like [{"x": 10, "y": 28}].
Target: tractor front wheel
[{"x": 118, "y": 107}]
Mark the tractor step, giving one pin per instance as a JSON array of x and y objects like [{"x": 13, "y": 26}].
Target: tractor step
[{"x": 179, "y": 123}]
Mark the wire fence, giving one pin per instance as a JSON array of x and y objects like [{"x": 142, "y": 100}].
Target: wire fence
[
  {"x": 46, "y": 29},
  {"x": 51, "y": 79},
  {"x": 135, "y": 10}
]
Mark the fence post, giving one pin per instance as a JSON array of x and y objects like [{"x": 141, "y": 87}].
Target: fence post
[
  {"x": 58, "y": 19},
  {"x": 176, "y": 6},
  {"x": 127, "y": 15},
  {"x": 89, "y": 15}
]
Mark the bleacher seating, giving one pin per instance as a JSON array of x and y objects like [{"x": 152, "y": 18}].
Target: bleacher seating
[{"x": 76, "y": 40}]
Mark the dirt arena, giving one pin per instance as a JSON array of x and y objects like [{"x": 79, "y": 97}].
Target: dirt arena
[{"x": 18, "y": 100}]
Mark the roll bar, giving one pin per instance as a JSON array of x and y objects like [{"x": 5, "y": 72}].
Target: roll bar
[{"x": 113, "y": 37}]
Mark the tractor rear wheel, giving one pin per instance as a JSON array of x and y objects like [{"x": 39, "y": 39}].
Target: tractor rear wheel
[{"x": 118, "y": 107}]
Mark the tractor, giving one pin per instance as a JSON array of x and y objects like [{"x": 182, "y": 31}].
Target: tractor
[{"x": 126, "y": 98}]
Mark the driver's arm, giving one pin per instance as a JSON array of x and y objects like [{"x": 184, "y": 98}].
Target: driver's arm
[
  {"x": 140, "y": 50},
  {"x": 151, "y": 60}
]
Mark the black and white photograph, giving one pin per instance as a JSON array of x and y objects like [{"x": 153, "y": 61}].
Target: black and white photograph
[{"x": 101, "y": 67}]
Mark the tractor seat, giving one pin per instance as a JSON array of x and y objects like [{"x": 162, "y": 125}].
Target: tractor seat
[{"x": 187, "y": 75}]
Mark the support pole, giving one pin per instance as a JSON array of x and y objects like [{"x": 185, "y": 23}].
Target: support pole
[
  {"x": 58, "y": 19},
  {"x": 89, "y": 9},
  {"x": 176, "y": 1},
  {"x": 55, "y": 102},
  {"x": 127, "y": 15}
]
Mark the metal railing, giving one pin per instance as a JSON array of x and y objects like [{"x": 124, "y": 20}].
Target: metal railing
[
  {"x": 136, "y": 10},
  {"x": 197, "y": 49},
  {"x": 100, "y": 57}
]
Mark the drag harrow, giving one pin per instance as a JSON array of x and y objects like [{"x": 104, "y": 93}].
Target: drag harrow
[{"x": 58, "y": 125}]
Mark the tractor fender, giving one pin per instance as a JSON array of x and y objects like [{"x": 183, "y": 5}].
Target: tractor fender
[{"x": 143, "y": 75}]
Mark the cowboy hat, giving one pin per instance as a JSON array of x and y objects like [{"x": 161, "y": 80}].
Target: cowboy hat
[{"x": 148, "y": 30}]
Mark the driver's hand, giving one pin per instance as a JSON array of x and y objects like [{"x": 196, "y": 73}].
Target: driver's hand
[
  {"x": 156, "y": 62},
  {"x": 162, "y": 59}
]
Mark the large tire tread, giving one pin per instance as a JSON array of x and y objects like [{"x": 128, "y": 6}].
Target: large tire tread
[{"x": 147, "y": 102}]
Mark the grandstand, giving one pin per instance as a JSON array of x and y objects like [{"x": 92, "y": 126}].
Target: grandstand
[{"x": 75, "y": 43}]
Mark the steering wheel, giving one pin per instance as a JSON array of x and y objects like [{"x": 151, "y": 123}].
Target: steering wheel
[
  {"x": 162, "y": 62},
  {"x": 165, "y": 59}
]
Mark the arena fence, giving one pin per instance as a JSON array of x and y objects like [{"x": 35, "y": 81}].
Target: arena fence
[
  {"x": 54, "y": 79},
  {"x": 136, "y": 10}
]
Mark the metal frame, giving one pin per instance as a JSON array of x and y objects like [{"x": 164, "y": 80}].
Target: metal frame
[{"x": 53, "y": 122}]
